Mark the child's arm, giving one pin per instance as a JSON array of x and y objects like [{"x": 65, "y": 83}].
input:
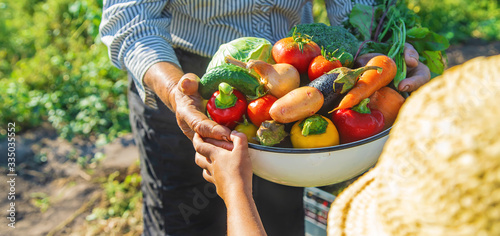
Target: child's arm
[{"x": 228, "y": 166}]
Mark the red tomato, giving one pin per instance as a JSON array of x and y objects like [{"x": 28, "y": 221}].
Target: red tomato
[
  {"x": 320, "y": 65},
  {"x": 297, "y": 51},
  {"x": 258, "y": 109}
]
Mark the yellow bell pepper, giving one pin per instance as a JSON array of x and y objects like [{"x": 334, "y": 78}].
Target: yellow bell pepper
[{"x": 314, "y": 132}]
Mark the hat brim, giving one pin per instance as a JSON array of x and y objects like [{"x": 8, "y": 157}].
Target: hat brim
[{"x": 354, "y": 211}]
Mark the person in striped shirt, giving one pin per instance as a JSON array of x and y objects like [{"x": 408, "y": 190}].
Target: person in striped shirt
[{"x": 161, "y": 41}]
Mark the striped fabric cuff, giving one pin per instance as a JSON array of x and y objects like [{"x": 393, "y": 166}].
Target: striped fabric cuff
[
  {"x": 339, "y": 11},
  {"x": 144, "y": 53}
]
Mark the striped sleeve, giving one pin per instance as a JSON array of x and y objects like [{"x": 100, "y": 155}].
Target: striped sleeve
[
  {"x": 338, "y": 10},
  {"x": 137, "y": 36}
]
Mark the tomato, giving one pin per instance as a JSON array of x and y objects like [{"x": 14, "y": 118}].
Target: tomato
[
  {"x": 258, "y": 109},
  {"x": 297, "y": 51},
  {"x": 321, "y": 65},
  {"x": 249, "y": 129}
]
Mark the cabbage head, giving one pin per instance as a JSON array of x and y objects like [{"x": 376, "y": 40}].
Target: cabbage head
[{"x": 243, "y": 49}]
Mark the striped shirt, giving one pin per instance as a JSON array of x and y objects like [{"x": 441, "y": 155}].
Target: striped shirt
[{"x": 140, "y": 33}]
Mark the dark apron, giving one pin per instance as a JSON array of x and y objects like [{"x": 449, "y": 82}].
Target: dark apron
[{"x": 177, "y": 200}]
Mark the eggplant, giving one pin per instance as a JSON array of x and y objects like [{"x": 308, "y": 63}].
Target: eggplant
[
  {"x": 325, "y": 84},
  {"x": 334, "y": 84}
]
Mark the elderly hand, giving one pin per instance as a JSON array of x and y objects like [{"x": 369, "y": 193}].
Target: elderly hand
[
  {"x": 189, "y": 111},
  {"x": 417, "y": 73},
  {"x": 179, "y": 92}
]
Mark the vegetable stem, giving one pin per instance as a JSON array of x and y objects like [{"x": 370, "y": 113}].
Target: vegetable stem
[
  {"x": 373, "y": 37},
  {"x": 234, "y": 61},
  {"x": 381, "y": 22},
  {"x": 397, "y": 52},
  {"x": 226, "y": 98},
  {"x": 314, "y": 124},
  {"x": 348, "y": 77},
  {"x": 362, "y": 107},
  {"x": 300, "y": 39},
  {"x": 361, "y": 47}
]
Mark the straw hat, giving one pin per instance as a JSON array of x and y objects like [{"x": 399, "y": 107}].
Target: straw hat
[{"x": 439, "y": 172}]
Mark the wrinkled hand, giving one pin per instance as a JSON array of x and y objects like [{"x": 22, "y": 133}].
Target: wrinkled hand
[
  {"x": 417, "y": 73},
  {"x": 189, "y": 111},
  {"x": 179, "y": 92},
  {"x": 226, "y": 164}
]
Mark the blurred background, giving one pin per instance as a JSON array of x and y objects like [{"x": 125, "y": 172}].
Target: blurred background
[{"x": 75, "y": 158}]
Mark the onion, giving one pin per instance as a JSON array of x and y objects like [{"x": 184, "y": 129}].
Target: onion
[{"x": 279, "y": 78}]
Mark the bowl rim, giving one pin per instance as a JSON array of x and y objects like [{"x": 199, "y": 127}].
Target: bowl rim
[{"x": 322, "y": 149}]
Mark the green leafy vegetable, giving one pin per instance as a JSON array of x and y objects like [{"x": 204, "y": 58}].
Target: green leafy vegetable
[
  {"x": 431, "y": 48},
  {"x": 434, "y": 60},
  {"x": 243, "y": 49},
  {"x": 385, "y": 28},
  {"x": 425, "y": 40},
  {"x": 363, "y": 20}
]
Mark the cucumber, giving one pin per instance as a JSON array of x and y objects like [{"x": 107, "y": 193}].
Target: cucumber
[{"x": 237, "y": 77}]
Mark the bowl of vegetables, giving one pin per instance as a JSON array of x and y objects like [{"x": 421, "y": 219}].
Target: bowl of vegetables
[
  {"x": 306, "y": 132},
  {"x": 311, "y": 167},
  {"x": 295, "y": 140},
  {"x": 313, "y": 116},
  {"x": 316, "y": 147}
]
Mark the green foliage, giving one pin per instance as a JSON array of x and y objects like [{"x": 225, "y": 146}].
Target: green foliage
[
  {"x": 54, "y": 68},
  {"x": 40, "y": 200},
  {"x": 57, "y": 70},
  {"x": 460, "y": 20},
  {"x": 319, "y": 12},
  {"x": 122, "y": 198},
  {"x": 457, "y": 20},
  {"x": 391, "y": 25}
]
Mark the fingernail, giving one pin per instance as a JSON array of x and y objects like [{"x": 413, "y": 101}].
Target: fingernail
[
  {"x": 226, "y": 138},
  {"x": 405, "y": 88}
]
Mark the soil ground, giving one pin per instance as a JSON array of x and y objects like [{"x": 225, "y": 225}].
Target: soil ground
[
  {"x": 53, "y": 192},
  {"x": 49, "y": 177}
]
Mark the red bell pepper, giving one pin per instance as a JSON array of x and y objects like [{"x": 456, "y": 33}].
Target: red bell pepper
[
  {"x": 358, "y": 122},
  {"x": 227, "y": 106}
]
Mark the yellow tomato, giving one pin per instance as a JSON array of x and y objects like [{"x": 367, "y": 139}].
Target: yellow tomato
[
  {"x": 329, "y": 138},
  {"x": 249, "y": 129}
]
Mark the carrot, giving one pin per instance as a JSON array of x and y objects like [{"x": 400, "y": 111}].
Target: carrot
[
  {"x": 370, "y": 81},
  {"x": 387, "y": 101}
]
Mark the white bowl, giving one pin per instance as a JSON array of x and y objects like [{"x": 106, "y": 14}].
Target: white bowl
[{"x": 316, "y": 167}]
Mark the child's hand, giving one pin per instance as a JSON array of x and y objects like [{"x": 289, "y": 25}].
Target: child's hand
[{"x": 225, "y": 164}]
